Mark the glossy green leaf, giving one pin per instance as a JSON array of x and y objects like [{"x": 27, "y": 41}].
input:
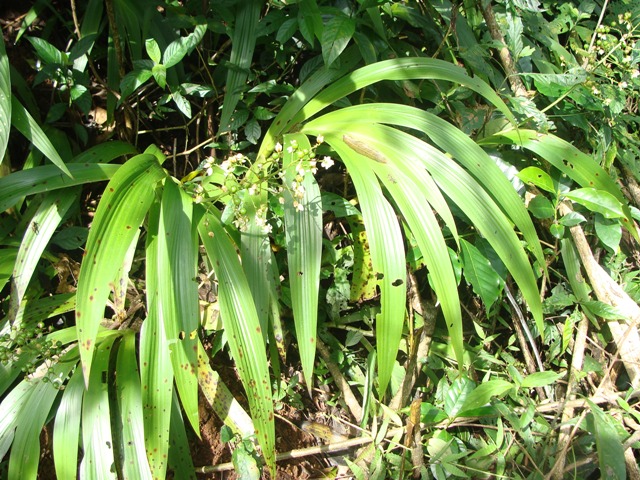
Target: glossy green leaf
[
  {"x": 541, "y": 207},
  {"x": 455, "y": 394},
  {"x": 609, "y": 445},
  {"x": 336, "y": 34},
  {"x": 577, "y": 165},
  {"x": 25, "y": 449},
  {"x": 540, "y": 379},
  {"x": 243, "y": 45},
  {"x": 119, "y": 214},
  {"x": 538, "y": 177},
  {"x": 387, "y": 254},
  {"x": 480, "y": 274},
  {"x": 134, "y": 461},
  {"x": 598, "y": 201},
  {"x": 609, "y": 232},
  {"x": 243, "y": 331},
  {"x": 47, "y": 52},
  {"x": 5, "y": 100},
  {"x": 177, "y": 49},
  {"x": 178, "y": 292},
  {"x": 47, "y": 178},
  {"x": 303, "y": 227},
  {"x": 156, "y": 372},
  {"x": 27, "y": 126},
  {"x": 482, "y": 394},
  {"x": 153, "y": 50},
  {"x": 97, "y": 442}
]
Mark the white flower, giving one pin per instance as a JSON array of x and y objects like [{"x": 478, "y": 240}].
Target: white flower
[
  {"x": 635, "y": 73},
  {"x": 327, "y": 162},
  {"x": 281, "y": 200},
  {"x": 623, "y": 85},
  {"x": 319, "y": 139},
  {"x": 252, "y": 190},
  {"x": 300, "y": 207},
  {"x": 278, "y": 147}
]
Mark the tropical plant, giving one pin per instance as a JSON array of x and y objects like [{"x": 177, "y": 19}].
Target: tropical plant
[{"x": 431, "y": 152}]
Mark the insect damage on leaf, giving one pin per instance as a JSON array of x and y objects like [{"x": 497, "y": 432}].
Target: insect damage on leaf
[{"x": 364, "y": 149}]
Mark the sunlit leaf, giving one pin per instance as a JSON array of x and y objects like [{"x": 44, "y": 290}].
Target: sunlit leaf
[
  {"x": 598, "y": 201},
  {"x": 119, "y": 214},
  {"x": 303, "y": 227},
  {"x": 5, "y": 100},
  {"x": 243, "y": 331},
  {"x": 482, "y": 394}
]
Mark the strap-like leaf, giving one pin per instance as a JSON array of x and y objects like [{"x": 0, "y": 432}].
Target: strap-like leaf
[
  {"x": 134, "y": 462},
  {"x": 178, "y": 293},
  {"x": 47, "y": 178},
  {"x": 66, "y": 430},
  {"x": 25, "y": 123},
  {"x": 244, "y": 43},
  {"x": 120, "y": 212},
  {"x": 244, "y": 334},
  {"x": 387, "y": 255},
  {"x": 303, "y": 223},
  {"x": 5, "y": 100},
  {"x": 156, "y": 372}
]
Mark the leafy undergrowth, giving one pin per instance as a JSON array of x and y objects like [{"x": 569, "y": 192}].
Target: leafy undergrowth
[{"x": 319, "y": 240}]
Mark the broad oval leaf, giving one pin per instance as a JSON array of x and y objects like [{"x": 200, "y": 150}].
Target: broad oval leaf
[
  {"x": 598, "y": 201},
  {"x": 480, "y": 274},
  {"x": 538, "y": 177},
  {"x": 482, "y": 394},
  {"x": 336, "y": 34}
]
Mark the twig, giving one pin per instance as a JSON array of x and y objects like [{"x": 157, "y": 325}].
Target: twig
[
  {"x": 517, "y": 87},
  {"x": 564, "y": 438},
  {"x": 306, "y": 452},
  {"x": 627, "y": 340}
]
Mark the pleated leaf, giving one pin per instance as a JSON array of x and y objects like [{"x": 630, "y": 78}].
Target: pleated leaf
[
  {"x": 180, "y": 461},
  {"x": 453, "y": 141},
  {"x": 303, "y": 227},
  {"x": 134, "y": 464},
  {"x": 387, "y": 255},
  {"x": 178, "y": 293},
  {"x": 398, "y": 69},
  {"x": 41, "y": 228},
  {"x": 97, "y": 442},
  {"x": 47, "y": 178},
  {"x": 27, "y": 126},
  {"x": 120, "y": 212},
  {"x": 243, "y": 45},
  {"x": 5, "y": 100},
  {"x": 156, "y": 372},
  {"x": 244, "y": 334},
  {"x": 66, "y": 429}
]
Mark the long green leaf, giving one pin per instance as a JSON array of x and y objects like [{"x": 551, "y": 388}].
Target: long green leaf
[
  {"x": 399, "y": 69},
  {"x": 387, "y": 255},
  {"x": 5, "y": 100},
  {"x": 156, "y": 372},
  {"x": 66, "y": 429},
  {"x": 97, "y": 441},
  {"x": 454, "y": 142},
  {"x": 25, "y": 123},
  {"x": 243, "y": 330},
  {"x": 25, "y": 450},
  {"x": 47, "y": 178},
  {"x": 480, "y": 274},
  {"x": 610, "y": 450},
  {"x": 303, "y": 224},
  {"x": 243, "y": 45},
  {"x": 10, "y": 413},
  {"x": 180, "y": 461},
  {"x": 474, "y": 201},
  {"x": 120, "y": 212},
  {"x": 178, "y": 293},
  {"x": 134, "y": 463},
  {"x": 41, "y": 228}
]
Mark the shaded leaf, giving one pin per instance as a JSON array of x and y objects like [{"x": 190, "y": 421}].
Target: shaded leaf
[{"x": 336, "y": 34}]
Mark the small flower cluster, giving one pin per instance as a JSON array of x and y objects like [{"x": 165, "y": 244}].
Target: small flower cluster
[
  {"x": 244, "y": 179},
  {"x": 31, "y": 342}
]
